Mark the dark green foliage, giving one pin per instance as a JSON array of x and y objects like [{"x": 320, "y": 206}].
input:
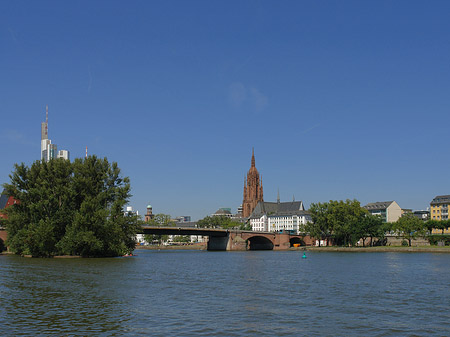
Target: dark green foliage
[
  {"x": 70, "y": 208},
  {"x": 218, "y": 221},
  {"x": 441, "y": 225},
  {"x": 409, "y": 227},
  {"x": 346, "y": 222},
  {"x": 371, "y": 226},
  {"x": 437, "y": 238},
  {"x": 182, "y": 238}
]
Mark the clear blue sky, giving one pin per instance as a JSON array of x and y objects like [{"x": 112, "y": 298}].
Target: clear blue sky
[{"x": 340, "y": 99}]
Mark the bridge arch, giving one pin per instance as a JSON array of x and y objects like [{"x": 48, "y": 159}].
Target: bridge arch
[
  {"x": 258, "y": 242},
  {"x": 296, "y": 241}
]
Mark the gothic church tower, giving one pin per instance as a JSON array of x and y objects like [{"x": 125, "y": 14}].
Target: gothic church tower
[{"x": 253, "y": 190}]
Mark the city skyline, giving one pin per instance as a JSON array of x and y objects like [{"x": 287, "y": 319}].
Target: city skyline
[
  {"x": 339, "y": 100},
  {"x": 49, "y": 150}
]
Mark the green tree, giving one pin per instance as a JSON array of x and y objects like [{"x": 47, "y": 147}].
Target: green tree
[
  {"x": 245, "y": 226},
  {"x": 345, "y": 221},
  {"x": 345, "y": 218},
  {"x": 370, "y": 226},
  {"x": 70, "y": 208},
  {"x": 218, "y": 221},
  {"x": 320, "y": 226},
  {"x": 160, "y": 220},
  {"x": 409, "y": 227},
  {"x": 38, "y": 221},
  {"x": 441, "y": 225},
  {"x": 181, "y": 238}
]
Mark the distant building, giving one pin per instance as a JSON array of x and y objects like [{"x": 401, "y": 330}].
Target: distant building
[
  {"x": 253, "y": 190},
  {"x": 48, "y": 150},
  {"x": 149, "y": 215},
  {"x": 239, "y": 211},
  {"x": 129, "y": 211},
  {"x": 422, "y": 215},
  {"x": 5, "y": 202},
  {"x": 439, "y": 207},
  {"x": 389, "y": 211},
  {"x": 223, "y": 212},
  {"x": 279, "y": 216},
  {"x": 183, "y": 219},
  {"x": 439, "y": 211},
  {"x": 63, "y": 154}
]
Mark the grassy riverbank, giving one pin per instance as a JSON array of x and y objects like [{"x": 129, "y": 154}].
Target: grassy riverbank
[
  {"x": 419, "y": 249},
  {"x": 198, "y": 246}
]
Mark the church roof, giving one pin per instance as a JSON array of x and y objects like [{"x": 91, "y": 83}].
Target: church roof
[{"x": 277, "y": 208}]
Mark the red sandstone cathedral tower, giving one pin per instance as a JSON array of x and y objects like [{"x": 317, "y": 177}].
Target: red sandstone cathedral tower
[{"x": 253, "y": 190}]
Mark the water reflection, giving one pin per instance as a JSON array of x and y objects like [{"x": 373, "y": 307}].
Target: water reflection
[{"x": 227, "y": 293}]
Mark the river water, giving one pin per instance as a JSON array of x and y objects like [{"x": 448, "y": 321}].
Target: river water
[{"x": 254, "y": 293}]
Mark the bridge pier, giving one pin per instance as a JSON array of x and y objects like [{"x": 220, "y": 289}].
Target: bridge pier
[{"x": 218, "y": 242}]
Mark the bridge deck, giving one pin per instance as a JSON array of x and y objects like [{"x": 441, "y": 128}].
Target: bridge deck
[{"x": 159, "y": 230}]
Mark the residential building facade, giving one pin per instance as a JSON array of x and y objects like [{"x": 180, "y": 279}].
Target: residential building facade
[
  {"x": 439, "y": 207},
  {"x": 389, "y": 211},
  {"x": 279, "y": 217},
  {"x": 439, "y": 211}
]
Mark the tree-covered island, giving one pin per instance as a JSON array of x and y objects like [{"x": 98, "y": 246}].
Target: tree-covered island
[{"x": 70, "y": 208}]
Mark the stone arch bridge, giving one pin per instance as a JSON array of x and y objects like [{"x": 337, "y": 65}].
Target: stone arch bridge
[{"x": 223, "y": 239}]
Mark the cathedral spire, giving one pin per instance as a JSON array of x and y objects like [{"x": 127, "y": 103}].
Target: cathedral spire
[
  {"x": 253, "y": 191},
  {"x": 253, "y": 157}
]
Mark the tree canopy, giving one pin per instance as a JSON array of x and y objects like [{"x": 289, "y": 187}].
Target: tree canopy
[
  {"x": 441, "y": 225},
  {"x": 70, "y": 208},
  {"x": 409, "y": 227},
  {"x": 345, "y": 221},
  {"x": 219, "y": 221}
]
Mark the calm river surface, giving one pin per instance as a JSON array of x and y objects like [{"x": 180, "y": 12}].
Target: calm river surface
[{"x": 260, "y": 293}]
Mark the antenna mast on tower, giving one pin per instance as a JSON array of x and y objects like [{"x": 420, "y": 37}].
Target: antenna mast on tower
[{"x": 86, "y": 152}]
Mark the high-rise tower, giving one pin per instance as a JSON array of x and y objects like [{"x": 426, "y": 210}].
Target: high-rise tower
[
  {"x": 253, "y": 190},
  {"x": 48, "y": 150}
]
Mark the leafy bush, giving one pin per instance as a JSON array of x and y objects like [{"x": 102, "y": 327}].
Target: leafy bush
[{"x": 70, "y": 209}]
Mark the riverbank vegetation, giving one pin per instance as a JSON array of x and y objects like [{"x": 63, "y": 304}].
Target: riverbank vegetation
[
  {"x": 70, "y": 208},
  {"x": 346, "y": 223},
  {"x": 221, "y": 221}
]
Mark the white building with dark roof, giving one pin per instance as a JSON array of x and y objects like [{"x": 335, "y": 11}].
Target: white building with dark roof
[{"x": 279, "y": 216}]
